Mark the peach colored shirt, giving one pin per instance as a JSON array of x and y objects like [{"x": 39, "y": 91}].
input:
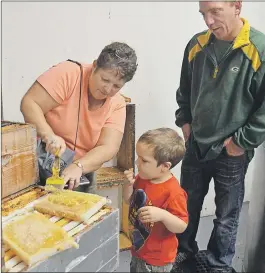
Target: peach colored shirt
[{"x": 62, "y": 82}]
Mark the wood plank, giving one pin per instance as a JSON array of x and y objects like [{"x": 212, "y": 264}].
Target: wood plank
[
  {"x": 125, "y": 242},
  {"x": 18, "y": 157},
  {"x": 108, "y": 177},
  {"x": 126, "y": 154},
  {"x": 125, "y": 221}
]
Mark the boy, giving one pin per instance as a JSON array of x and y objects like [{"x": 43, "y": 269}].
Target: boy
[{"x": 158, "y": 207}]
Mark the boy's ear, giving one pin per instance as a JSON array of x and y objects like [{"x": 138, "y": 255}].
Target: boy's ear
[{"x": 166, "y": 166}]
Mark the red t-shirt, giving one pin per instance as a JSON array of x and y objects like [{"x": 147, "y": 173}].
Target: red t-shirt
[{"x": 155, "y": 244}]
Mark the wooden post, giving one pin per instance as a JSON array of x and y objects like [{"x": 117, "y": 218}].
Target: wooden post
[
  {"x": 2, "y": 255},
  {"x": 125, "y": 160}
]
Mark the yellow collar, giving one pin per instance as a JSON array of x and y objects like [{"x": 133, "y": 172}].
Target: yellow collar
[{"x": 242, "y": 38}]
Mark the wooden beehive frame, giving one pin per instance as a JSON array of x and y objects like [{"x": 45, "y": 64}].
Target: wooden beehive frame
[
  {"x": 108, "y": 177},
  {"x": 18, "y": 155},
  {"x": 75, "y": 229},
  {"x": 113, "y": 176}
]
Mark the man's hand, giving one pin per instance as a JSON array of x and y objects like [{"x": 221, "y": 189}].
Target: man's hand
[
  {"x": 72, "y": 174},
  {"x": 54, "y": 143},
  {"x": 130, "y": 176},
  {"x": 186, "y": 131},
  {"x": 232, "y": 149},
  {"x": 150, "y": 214}
]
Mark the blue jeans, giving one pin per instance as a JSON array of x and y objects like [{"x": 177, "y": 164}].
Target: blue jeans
[{"x": 228, "y": 173}]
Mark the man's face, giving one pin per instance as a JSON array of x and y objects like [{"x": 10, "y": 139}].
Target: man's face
[
  {"x": 220, "y": 17},
  {"x": 104, "y": 83}
]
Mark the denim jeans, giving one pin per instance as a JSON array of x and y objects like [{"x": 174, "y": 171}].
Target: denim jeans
[{"x": 228, "y": 173}]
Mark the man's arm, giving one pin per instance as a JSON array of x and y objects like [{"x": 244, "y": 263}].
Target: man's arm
[
  {"x": 252, "y": 134},
  {"x": 183, "y": 114}
]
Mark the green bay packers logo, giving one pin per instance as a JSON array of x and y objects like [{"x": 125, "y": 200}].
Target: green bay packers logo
[{"x": 235, "y": 69}]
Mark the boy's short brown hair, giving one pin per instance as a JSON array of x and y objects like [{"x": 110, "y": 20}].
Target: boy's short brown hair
[{"x": 167, "y": 144}]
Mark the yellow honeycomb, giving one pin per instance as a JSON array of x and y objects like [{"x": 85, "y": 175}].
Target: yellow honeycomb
[
  {"x": 33, "y": 235},
  {"x": 70, "y": 204},
  {"x": 70, "y": 198},
  {"x": 21, "y": 201}
]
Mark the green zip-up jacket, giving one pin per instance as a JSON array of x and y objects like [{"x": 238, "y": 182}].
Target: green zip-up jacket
[{"x": 224, "y": 99}]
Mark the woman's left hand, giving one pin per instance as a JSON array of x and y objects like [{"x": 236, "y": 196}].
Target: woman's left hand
[{"x": 72, "y": 174}]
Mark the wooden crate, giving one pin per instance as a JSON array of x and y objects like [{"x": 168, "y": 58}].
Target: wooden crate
[
  {"x": 18, "y": 158},
  {"x": 110, "y": 180},
  {"x": 98, "y": 240}
]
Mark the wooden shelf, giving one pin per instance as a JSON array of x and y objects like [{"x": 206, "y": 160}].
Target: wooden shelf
[{"x": 110, "y": 177}]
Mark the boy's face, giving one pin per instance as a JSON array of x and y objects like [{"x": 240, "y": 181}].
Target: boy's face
[{"x": 146, "y": 163}]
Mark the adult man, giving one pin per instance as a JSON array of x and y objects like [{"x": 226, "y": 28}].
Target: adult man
[{"x": 222, "y": 115}]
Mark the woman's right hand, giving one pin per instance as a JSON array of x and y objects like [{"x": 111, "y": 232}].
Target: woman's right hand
[
  {"x": 130, "y": 176},
  {"x": 54, "y": 143}
]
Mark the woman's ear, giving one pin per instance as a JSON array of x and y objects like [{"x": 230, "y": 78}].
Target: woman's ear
[{"x": 94, "y": 64}]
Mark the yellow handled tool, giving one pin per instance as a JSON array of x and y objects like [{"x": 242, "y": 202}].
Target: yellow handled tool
[{"x": 55, "y": 180}]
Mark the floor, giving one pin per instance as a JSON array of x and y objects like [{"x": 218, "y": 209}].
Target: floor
[{"x": 204, "y": 232}]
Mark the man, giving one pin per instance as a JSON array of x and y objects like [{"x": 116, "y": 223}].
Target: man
[{"x": 222, "y": 116}]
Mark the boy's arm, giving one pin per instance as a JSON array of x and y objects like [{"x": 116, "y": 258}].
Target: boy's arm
[
  {"x": 127, "y": 192},
  {"x": 175, "y": 218},
  {"x": 128, "y": 187},
  {"x": 173, "y": 223},
  {"x": 176, "y": 215},
  {"x": 151, "y": 214}
]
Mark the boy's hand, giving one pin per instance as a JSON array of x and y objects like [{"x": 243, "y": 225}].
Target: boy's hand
[
  {"x": 150, "y": 214},
  {"x": 130, "y": 176}
]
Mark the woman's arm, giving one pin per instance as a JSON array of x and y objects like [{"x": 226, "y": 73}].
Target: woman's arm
[
  {"x": 34, "y": 105},
  {"x": 106, "y": 148}
]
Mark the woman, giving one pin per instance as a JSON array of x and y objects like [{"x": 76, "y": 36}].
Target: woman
[{"x": 79, "y": 107}]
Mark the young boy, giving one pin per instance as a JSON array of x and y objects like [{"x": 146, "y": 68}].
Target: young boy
[{"x": 158, "y": 205}]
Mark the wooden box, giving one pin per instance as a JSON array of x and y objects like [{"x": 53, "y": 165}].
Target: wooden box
[
  {"x": 98, "y": 239},
  {"x": 18, "y": 158},
  {"x": 110, "y": 180}
]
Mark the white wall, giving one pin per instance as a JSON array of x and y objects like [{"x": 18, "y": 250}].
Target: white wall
[{"x": 38, "y": 35}]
